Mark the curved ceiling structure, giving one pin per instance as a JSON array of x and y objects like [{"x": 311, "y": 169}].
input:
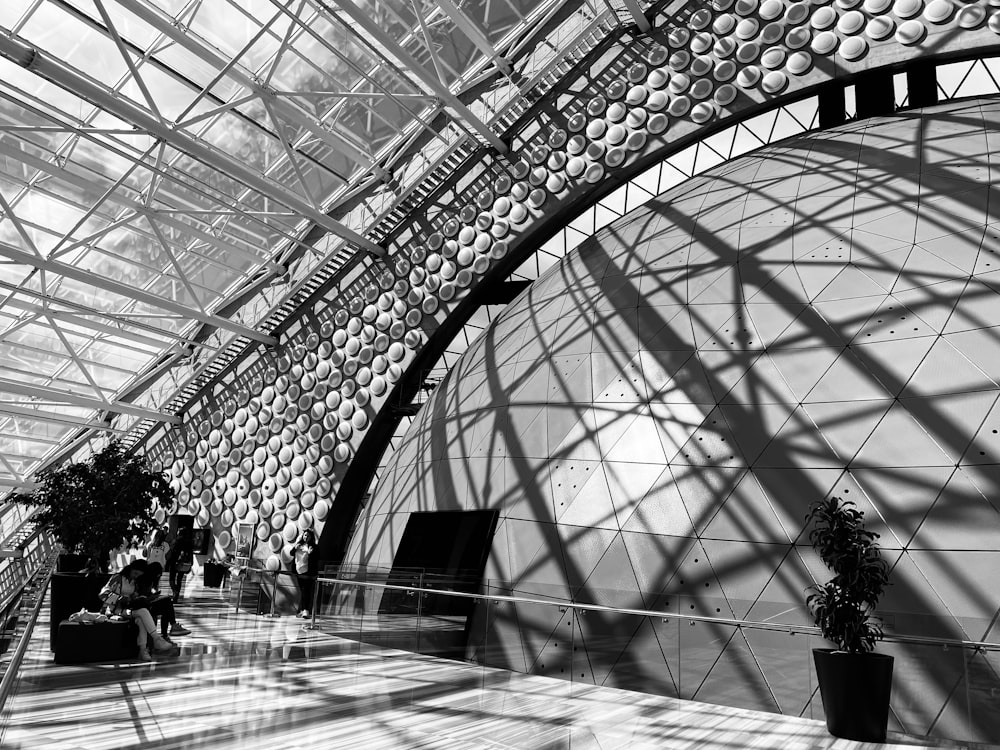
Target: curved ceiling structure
[{"x": 191, "y": 261}]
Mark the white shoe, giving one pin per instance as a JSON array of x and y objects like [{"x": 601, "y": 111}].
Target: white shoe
[{"x": 162, "y": 646}]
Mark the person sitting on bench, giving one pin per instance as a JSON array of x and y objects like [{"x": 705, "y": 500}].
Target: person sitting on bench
[
  {"x": 161, "y": 606},
  {"x": 121, "y": 598}
]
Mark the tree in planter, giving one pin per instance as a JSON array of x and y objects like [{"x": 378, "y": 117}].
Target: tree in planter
[
  {"x": 842, "y": 607},
  {"x": 93, "y": 506},
  {"x": 855, "y": 683}
]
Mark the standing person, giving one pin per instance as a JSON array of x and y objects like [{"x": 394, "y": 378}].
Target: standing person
[
  {"x": 121, "y": 597},
  {"x": 156, "y": 552},
  {"x": 180, "y": 560},
  {"x": 306, "y": 568}
]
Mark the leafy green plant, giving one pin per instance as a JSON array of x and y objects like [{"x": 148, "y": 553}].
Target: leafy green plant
[
  {"x": 93, "y": 506},
  {"x": 842, "y": 607}
]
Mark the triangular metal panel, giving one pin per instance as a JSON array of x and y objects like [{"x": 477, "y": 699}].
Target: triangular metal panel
[
  {"x": 629, "y": 483},
  {"x": 901, "y": 498},
  {"x": 889, "y": 223},
  {"x": 617, "y": 331},
  {"x": 616, "y": 378},
  {"x": 612, "y": 581},
  {"x": 704, "y": 491},
  {"x": 798, "y": 443},
  {"x": 960, "y": 519},
  {"x": 657, "y": 557},
  {"x": 661, "y": 513},
  {"x": 747, "y": 516},
  {"x": 676, "y": 377},
  {"x": 846, "y": 317},
  {"x": 648, "y": 661},
  {"x": 726, "y": 368},
  {"x": 785, "y": 324},
  {"x": 742, "y": 570},
  {"x": 569, "y": 383},
  {"x": 792, "y": 488},
  {"x": 736, "y": 679},
  {"x": 784, "y": 660},
  {"x": 900, "y": 440},
  {"x": 761, "y": 384},
  {"x": 846, "y": 425},
  {"x": 591, "y": 507},
  {"x": 710, "y": 444},
  {"x": 767, "y": 285},
  {"x": 933, "y": 304},
  {"x": 978, "y": 307},
  {"x": 566, "y": 479},
  {"x": 801, "y": 369},
  {"x": 960, "y": 250},
  {"x": 524, "y": 431},
  {"x": 783, "y": 597},
  {"x": 945, "y": 370},
  {"x": 975, "y": 345}
]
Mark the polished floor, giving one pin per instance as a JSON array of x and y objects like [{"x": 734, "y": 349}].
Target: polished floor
[{"x": 250, "y": 681}]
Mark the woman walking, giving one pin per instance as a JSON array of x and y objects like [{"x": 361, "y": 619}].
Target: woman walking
[
  {"x": 180, "y": 560},
  {"x": 156, "y": 552}
]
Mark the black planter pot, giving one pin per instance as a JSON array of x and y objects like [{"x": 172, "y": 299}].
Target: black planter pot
[
  {"x": 214, "y": 574},
  {"x": 70, "y": 562},
  {"x": 855, "y": 689}
]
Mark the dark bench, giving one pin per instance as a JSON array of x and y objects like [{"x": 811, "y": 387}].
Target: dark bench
[
  {"x": 69, "y": 593},
  {"x": 79, "y": 643}
]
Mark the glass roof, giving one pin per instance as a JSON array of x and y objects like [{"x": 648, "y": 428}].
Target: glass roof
[{"x": 162, "y": 163}]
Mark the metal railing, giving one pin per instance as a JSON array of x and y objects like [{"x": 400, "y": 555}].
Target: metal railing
[
  {"x": 947, "y": 685},
  {"x": 583, "y": 608},
  {"x": 22, "y": 605}
]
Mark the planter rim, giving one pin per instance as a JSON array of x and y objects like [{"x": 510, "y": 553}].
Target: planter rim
[{"x": 864, "y": 654}]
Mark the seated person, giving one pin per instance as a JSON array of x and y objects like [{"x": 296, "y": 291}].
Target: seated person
[
  {"x": 161, "y": 606},
  {"x": 121, "y": 598}
]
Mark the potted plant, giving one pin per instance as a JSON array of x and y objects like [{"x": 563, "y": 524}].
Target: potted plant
[
  {"x": 90, "y": 508},
  {"x": 93, "y": 506},
  {"x": 854, "y": 681}
]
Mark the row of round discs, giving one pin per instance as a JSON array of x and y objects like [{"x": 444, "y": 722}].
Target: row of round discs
[{"x": 268, "y": 454}]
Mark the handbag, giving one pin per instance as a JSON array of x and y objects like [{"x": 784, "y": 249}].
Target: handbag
[
  {"x": 114, "y": 602},
  {"x": 183, "y": 567}
]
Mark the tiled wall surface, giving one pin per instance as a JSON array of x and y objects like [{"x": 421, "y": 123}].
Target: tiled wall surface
[{"x": 653, "y": 417}]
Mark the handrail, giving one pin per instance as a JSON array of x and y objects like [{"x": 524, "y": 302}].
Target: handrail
[
  {"x": 23, "y": 543},
  {"x": 727, "y": 621},
  {"x": 14, "y": 665},
  {"x": 14, "y": 594},
  {"x": 17, "y": 590}
]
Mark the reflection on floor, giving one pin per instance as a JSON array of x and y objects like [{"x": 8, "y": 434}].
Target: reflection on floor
[{"x": 249, "y": 681}]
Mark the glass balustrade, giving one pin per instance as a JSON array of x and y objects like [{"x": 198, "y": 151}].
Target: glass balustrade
[{"x": 746, "y": 654}]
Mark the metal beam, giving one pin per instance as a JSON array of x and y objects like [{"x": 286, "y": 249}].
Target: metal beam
[
  {"x": 288, "y": 112},
  {"x": 637, "y": 15},
  {"x": 51, "y": 70},
  {"x": 150, "y": 214},
  {"x": 364, "y": 20},
  {"x": 75, "y": 399},
  {"x": 120, "y": 318},
  {"x": 129, "y": 292},
  {"x": 155, "y": 346},
  {"x": 39, "y": 415},
  {"x": 475, "y": 35}
]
